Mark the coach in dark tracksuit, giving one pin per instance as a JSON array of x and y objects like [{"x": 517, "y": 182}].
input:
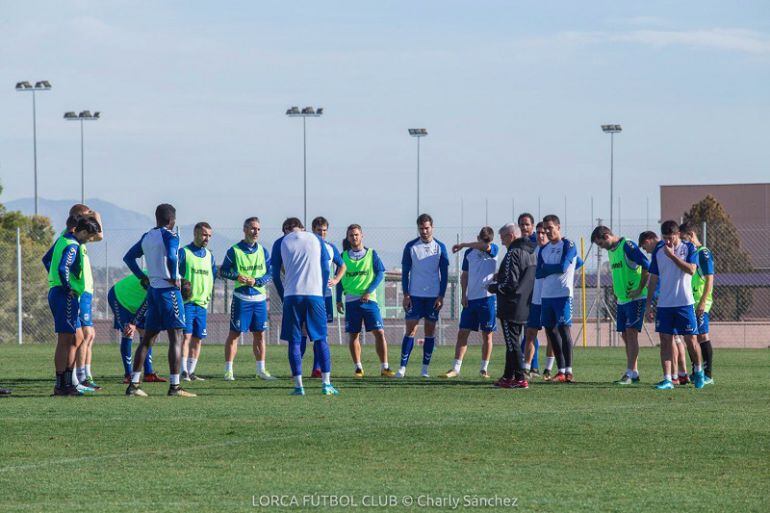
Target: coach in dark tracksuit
[{"x": 515, "y": 281}]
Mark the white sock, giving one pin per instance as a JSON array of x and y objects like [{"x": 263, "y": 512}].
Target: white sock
[
  {"x": 424, "y": 369},
  {"x": 632, "y": 373},
  {"x": 457, "y": 365},
  {"x": 359, "y": 366},
  {"x": 562, "y": 370},
  {"x": 191, "y": 363},
  {"x": 136, "y": 377},
  {"x": 384, "y": 366},
  {"x": 228, "y": 366},
  {"x": 326, "y": 378},
  {"x": 75, "y": 380},
  {"x": 82, "y": 373},
  {"x": 568, "y": 370},
  {"x": 484, "y": 364},
  {"x": 682, "y": 374},
  {"x": 88, "y": 370},
  {"x": 697, "y": 368},
  {"x": 402, "y": 370},
  {"x": 184, "y": 365},
  {"x": 298, "y": 381},
  {"x": 260, "y": 366},
  {"x": 667, "y": 377},
  {"x": 549, "y": 362},
  {"x": 527, "y": 366},
  {"x": 173, "y": 379}
]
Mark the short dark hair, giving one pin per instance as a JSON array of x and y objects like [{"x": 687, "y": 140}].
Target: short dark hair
[
  {"x": 424, "y": 218},
  {"x": 164, "y": 214},
  {"x": 487, "y": 234},
  {"x": 539, "y": 225},
  {"x": 78, "y": 209},
  {"x": 87, "y": 224},
  {"x": 291, "y": 223},
  {"x": 72, "y": 221},
  {"x": 552, "y": 218},
  {"x": 688, "y": 227},
  {"x": 250, "y": 220},
  {"x": 526, "y": 215},
  {"x": 345, "y": 243},
  {"x": 600, "y": 232},
  {"x": 319, "y": 221},
  {"x": 669, "y": 228},
  {"x": 647, "y": 235},
  {"x": 201, "y": 225}
]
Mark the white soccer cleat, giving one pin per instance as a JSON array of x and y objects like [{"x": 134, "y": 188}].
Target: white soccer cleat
[
  {"x": 229, "y": 376},
  {"x": 425, "y": 374},
  {"x": 401, "y": 373},
  {"x": 266, "y": 376}
]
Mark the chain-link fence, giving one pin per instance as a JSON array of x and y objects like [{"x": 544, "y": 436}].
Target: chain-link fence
[{"x": 740, "y": 316}]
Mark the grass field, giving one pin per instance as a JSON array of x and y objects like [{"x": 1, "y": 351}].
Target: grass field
[{"x": 589, "y": 446}]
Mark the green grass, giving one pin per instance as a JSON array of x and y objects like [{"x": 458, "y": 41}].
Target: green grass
[{"x": 589, "y": 446}]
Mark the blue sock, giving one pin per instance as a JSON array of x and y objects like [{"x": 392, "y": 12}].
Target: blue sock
[
  {"x": 406, "y": 350},
  {"x": 427, "y": 350},
  {"x": 295, "y": 357},
  {"x": 148, "y": 363},
  {"x": 322, "y": 355},
  {"x": 303, "y": 345},
  {"x": 125, "y": 354},
  {"x": 536, "y": 365}
]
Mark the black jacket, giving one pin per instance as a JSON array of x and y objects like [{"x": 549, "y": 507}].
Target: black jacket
[{"x": 515, "y": 281}]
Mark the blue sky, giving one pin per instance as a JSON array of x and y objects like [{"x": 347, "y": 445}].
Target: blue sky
[{"x": 512, "y": 93}]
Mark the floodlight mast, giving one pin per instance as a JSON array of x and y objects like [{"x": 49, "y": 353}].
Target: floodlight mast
[
  {"x": 40, "y": 86},
  {"x": 418, "y": 133},
  {"x": 612, "y": 130},
  {"x": 84, "y": 115},
  {"x": 295, "y": 112}
]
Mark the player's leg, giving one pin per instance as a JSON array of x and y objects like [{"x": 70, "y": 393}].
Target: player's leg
[
  {"x": 193, "y": 355},
  {"x": 530, "y": 339},
  {"x": 550, "y": 324},
  {"x": 488, "y": 325},
  {"x": 173, "y": 322},
  {"x": 372, "y": 319},
  {"x": 690, "y": 330},
  {"x": 145, "y": 343},
  {"x": 314, "y": 317},
  {"x": 381, "y": 346},
  {"x": 564, "y": 325},
  {"x": 428, "y": 346},
  {"x": 680, "y": 360},
  {"x": 353, "y": 322},
  {"x": 186, "y": 341},
  {"x": 240, "y": 319},
  {"x": 257, "y": 327},
  {"x": 407, "y": 344},
  {"x": 666, "y": 356},
  {"x": 705, "y": 347},
  {"x": 354, "y": 346},
  {"x": 486, "y": 352},
  {"x": 460, "y": 348},
  {"x": 513, "y": 376},
  {"x": 90, "y": 335}
]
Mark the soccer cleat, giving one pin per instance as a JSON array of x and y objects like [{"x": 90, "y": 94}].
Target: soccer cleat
[
  {"x": 135, "y": 391},
  {"x": 90, "y": 383},
  {"x": 154, "y": 378},
  {"x": 195, "y": 377},
  {"x": 625, "y": 380},
  {"x": 229, "y": 376},
  {"x": 684, "y": 380},
  {"x": 66, "y": 392},
  {"x": 559, "y": 378},
  {"x": 185, "y": 376},
  {"x": 424, "y": 374},
  {"x": 400, "y": 374},
  {"x": 266, "y": 376},
  {"x": 484, "y": 374},
  {"x": 179, "y": 392},
  {"x": 546, "y": 375},
  {"x": 5, "y": 392},
  {"x": 502, "y": 382},
  {"x": 518, "y": 383},
  {"x": 534, "y": 371},
  {"x": 298, "y": 391},
  {"x": 358, "y": 373},
  {"x": 127, "y": 379},
  {"x": 85, "y": 389},
  {"x": 387, "y": 373},
  {"x": 665, "y": 385},
  {"x": 449, "y": 374},
  {"x": 569, "y": 378},
  {"x": 698, "y": 379},
  {"x": 636, "y": 380},
  {"x": 707, "y": 380},
  {"x": 527, "y": 374},
  {"x": 316, "y": 374},
  {"x": 328, "y": 389}
]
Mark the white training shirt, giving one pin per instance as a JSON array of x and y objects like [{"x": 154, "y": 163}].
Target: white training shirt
[
  {"x": 537, "y": 290},
  {"x": 155, "y": 247},
  {"x": 561, "y": 284},
  {"x": 303, "y": 256},
  {"x": 481, "y": 267},
  {"x": 675, "y": 284}
]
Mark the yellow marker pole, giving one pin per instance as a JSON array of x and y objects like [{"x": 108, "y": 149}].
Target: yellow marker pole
[{"x": 583, "y": 281}]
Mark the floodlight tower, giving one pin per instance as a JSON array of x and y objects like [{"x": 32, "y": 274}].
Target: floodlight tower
[
  {"x": 84, "y": 115},
  {"x": 25, "y": 86},
  {"x": 418, "y": 133},
  {"x": 307, "y": 112},
  {"x": 612, "y": 130}
]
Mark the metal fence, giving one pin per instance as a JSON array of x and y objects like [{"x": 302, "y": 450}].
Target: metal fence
[{"x": 741, "y": 314}]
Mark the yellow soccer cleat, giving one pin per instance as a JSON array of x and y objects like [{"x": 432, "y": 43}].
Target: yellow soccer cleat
[
  {"x": 387, "y": 373},
  {"x": 449, "y": 374},
  {"x": 358, "y": 373}
]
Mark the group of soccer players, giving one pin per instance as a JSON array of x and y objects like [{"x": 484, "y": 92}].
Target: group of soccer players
[{"x": 532, "y": 290}]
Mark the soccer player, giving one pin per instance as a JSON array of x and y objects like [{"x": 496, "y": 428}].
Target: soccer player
[
  {"x": 128, "y": 302},
  {"x": 702, "y": 290},
  {"x": 479, "y": 304},
  {"x": 515, "y": 282},
  {"x": 528, "y": 229},
  {"x": 321, "y": 227},
  {"x": 248, "y": 264},
  {"x": 66, "y": 283},
  {"x": 197, "y": 266},
  {"x": 424, "y": 277},
  {"x": 364, "y": 271},
  {"x": 630, "y": 273},
  {"x": 305, "y": 262},
  {"x": 534, "y": 323},
  {"x": 673, "y": 264},
  {"x": 556, "y": 264},
  {"x": 165, "y": 306}
]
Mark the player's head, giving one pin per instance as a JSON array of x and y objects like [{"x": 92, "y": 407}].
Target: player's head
[
  {"x": 72, "y": 222},
  {"x": 552, "y": 227},
  {"x": 320, "y": 226},
  {"x": 527, "y": 224},
  {"x": 670, "y": 232},
  {"x": 508, "y": 233},
  {"x": 251, "y": 228},
  {"x": 165, "y": 215},
  {"x": 354, "y": 237},
  {"x": 542, "y": 238},
  {"x": 202, "y": 234},
  {"x": 78, "y": 209},
  {"x": 425, "y": 227},
  {"x": 648, "y": 240},
  {"x": 603, "y": 237},
  {"x": 85, "y": 228},
  {"x": 689, "y": 233},
  {"x": 486, "y": 234},
  {"x": 292, "y": 224},
  {"x": 186, "y": 290}
]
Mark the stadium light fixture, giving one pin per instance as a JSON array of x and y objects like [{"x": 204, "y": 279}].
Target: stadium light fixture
[
  {"x": 418, "y": 133},
  {"x": 84, "y": 115},
  {"x": 612, "y": 130},
  {"x": 40, "y": 86},
  {"x": 306, "y": 112}
]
